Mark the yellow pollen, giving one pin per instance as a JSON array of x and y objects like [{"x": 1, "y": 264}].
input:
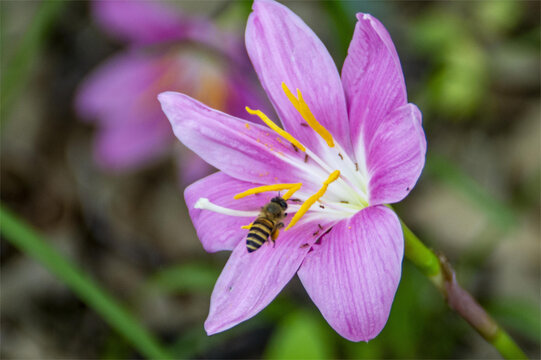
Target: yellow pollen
[
  {"x": 302, "y": 107},
  {"x": 246, "y": 226},
  {"x": 275, "y": 187},
  {"x": 247, "y": 126},
  {"x": 312, "y": 199},
  {"x": 275, "y": 127}
]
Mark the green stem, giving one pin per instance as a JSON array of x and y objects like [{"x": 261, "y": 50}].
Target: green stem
[
  {"x": 438, "y": 269},
  {"x": 32, "y": 244}
]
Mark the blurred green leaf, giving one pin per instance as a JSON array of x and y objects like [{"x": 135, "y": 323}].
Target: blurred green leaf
[
  {"x": 17, "y": 70},
  {"x": 447, "y": 172},
  {"x": 374, "y": 349},
  {"x": 435, "y": 31},
  {"x": 185, "y": 278},
  {"x": 498, "y": 15},
  {"x": 118, "y": 317},
  {"x": 519, "y": 315},
  {"x": 301, "y": 335},
  {"x": 459, "y": 80}
]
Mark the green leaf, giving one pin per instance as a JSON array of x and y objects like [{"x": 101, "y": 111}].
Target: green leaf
[
  {"x": 301, "y": 335},
  {"x": 118, "y": 317},
  {"x": 16, "y": 72},
  {"x": 522, "y": 316}
]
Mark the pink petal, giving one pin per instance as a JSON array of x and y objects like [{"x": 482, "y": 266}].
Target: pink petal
[
  {"x": 250, "y": 281},
  {"x": 109, "y": 94},
  {"x": 243, "y": 150},
  {"x": 395, "y": 155},
  {"x": 283, "y": 49},
  {"x": 353, "y": 275},
  {"x": 219, "y": 232},
  {"x": 191, "y": 167},
  {"x": 139, "y": 21},
  {"x": 148, "y": 22},
  {"x": 372, "y": 77},
  {"x": 121, "y": 148}
]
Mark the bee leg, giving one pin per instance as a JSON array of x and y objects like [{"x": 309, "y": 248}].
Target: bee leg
[{"x": 276, "y": 232}]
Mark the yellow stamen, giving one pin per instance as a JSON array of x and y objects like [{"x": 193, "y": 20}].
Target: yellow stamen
[
  {"x": 292, "y": 191},
  {"x": 275, "y": 187},
  {"x": 246, "y": 226},
  {"x": 303, "y": 108},
  {"x": 275, "y": 127},
  {"x": 291, "y": 97},
  {"x": 312, "y": 199}
]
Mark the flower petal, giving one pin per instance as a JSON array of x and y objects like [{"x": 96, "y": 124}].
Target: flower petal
[
  {"x": 284, "y": 49},
  {"x": 243, "y": 150},
  {"x": 149, "y": 22},
  {"x": 250, "y": 281},
  {"x": 395, "y": 154},
  {"x": 353, "y": 275},
  {"x": 216, "y": 231},
  {"x": 372, "y": 77},
  {"x": 108, "y": 94},
  {"x": 191, "y": 167},
  {"x": 125, "y": 147},
  {"x": 139, "y": 21}
]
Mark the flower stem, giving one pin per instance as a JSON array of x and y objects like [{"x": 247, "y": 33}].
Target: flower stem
[{"x": 438, "y": 269}]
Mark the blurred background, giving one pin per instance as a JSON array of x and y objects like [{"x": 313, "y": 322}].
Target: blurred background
[{"x": 89, "y": 161}]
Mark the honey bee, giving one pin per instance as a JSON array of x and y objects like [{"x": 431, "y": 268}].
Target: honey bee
[{"x": 268, "y": 223}]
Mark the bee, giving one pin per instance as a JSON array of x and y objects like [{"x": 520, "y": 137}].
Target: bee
[{"x": 268, "y": 223}]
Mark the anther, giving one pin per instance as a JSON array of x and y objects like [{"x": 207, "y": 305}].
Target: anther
[
  {"x": 312, "y": 199},
  {"x": 303, "y": 109},
  {"x": 276, "y": 187},
  {"x": 275, "y": 127}
]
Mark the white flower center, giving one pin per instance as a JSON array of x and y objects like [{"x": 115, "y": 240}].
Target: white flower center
[{"x": 344, "y": 181}]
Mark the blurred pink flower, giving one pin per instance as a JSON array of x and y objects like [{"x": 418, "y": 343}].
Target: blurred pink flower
[
  {"x": 166, "y": 51},
  {"x": 352, "y": 145}
]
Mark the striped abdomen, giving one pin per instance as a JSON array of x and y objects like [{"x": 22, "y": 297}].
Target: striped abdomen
[{"x": 259, "y": 232}]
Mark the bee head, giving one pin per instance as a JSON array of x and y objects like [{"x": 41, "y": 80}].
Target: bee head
[{"x": 278, "y": 200}]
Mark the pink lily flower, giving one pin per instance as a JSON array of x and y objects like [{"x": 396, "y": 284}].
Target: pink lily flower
[
  {"x": 120, "y": 96},
  {"x": 348, "y": 146}
]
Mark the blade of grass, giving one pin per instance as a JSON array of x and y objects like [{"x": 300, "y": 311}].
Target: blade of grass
[
  {"x": 16, "y": 73},
  {"x": 29, "y": 242}
]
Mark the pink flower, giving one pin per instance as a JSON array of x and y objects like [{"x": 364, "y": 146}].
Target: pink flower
[
  {"x": 349, "y": 146},
  {"x": 120, "y": 96}
]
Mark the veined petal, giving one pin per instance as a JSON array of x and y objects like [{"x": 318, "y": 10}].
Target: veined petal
[
  {"x": 284, "y": 49},
  {"x": 216, "y": 231},
  {"x": 127, "y": 146},
  {"x": 395, "y": 155},
  {"x": 372, "y": 78},
  {"x": 353, "y": 275},
  {"x": 243, "y": 150},
  {"x": 250, "y": 281}
]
